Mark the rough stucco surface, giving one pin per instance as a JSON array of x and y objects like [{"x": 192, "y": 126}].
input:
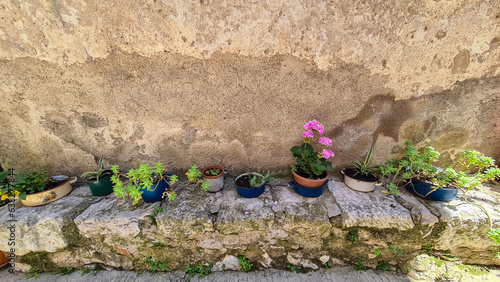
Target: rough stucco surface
[{"x": 232, "y": 82}]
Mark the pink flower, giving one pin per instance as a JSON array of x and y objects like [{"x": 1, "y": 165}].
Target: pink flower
[
  {"x": 308, "y": 134},
  {"x": 325, "y": 141},
  {"x": 327, "y": 153},
  {"x": 314, "y": 125}
]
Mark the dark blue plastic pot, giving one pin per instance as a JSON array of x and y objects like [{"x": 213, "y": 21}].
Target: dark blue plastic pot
[
  {"x": 422, "y": 188},
  {"x": 249, "y": 192},
  {"x": 157, "y": 194},
  {"x": 307, "y": 191}
]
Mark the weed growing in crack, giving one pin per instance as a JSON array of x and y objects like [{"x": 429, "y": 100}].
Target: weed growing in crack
[
  {"x": 290, "y": 267},
  {"x": 352, "y": 236},
  {"x": 199, "y": 269},
  {"x": 360, "y": 266},
  {"x": 155, "y": 265},
  {"x": 245, "y": 264}
]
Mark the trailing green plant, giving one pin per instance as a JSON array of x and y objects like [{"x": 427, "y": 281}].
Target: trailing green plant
[
  {"x": 199, "y": 269},
  {"x": 31, "y": 183},
  {"x": 245, "y": 263},
  {"x": 363, "y": 168},
  {"x": 156, "y": 210},
  {"x": 85, "y": 270},
  {"x": 66, "y": 270},
  {"x": 309, "y": 162},
  {"x": 194, "y": 174},
  {"x": 360, "y": 266},
  {"x": 419, "y": 164},
  {"x": 494, "y": 234},
  {"x": 157, "y": 265},
  {"x": 95, "y": 175},
  {"x": 142, "y": 178},
  {"x": 352, "y": 235}
]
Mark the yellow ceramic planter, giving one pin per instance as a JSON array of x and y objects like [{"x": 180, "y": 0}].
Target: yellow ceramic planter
[{"x": 53, "y": 194}]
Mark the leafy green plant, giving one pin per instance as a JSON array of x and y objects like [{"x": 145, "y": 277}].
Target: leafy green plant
[
  {"x": 377, "y": 252},
  {"x": 327, "y": 265},
  {"x": 383, "y": 265},
  {"x": 156, "y": 210},
  {"x": 32, "y": 272},
  {"x": 142, "y": 178},
  {"x": 309, "y": 162},
  {"x": 194, "y": 174},
  {"x": 360, "y": 266},
  {"x": 199, "y": 269},
  {"x": 137, "y": 271},
  {"x": 212, "y": 172},
  {"x": 364, "y": 168},
  {"x": 32, "y": 183},
  {"x": 352, "y": 235},
  {"x": 155, "y": 265},
  {"x": 291, "y": 267},
  {"x": 66, "y": 270},
  {"x": 245, "y": 263},
  {"x": 95, "y": 175},
  {"x": 7, "y": 189},
  {"x": 157, "y": 245},
  {"x": 205, "y": 186}
]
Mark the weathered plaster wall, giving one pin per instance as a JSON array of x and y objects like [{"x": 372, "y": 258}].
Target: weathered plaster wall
[{"x": 232, "y": 82}]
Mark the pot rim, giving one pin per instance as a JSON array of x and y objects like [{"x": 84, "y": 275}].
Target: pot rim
[
  {"x": 322, "y": 179},
  {"x": 246, "y": 173},
  {"x": 342, "y": 171},
  {"x": 426, "y": 182},
  {"x": 211, "y": 167},
  {"x": 53, "y": 188}
]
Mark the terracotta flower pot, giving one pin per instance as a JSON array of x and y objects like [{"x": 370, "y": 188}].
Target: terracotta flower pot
[
  {"x": 311, "y": 183},
  {"x": 3, "y": 259},
  {"x": 50, "y": 195}
]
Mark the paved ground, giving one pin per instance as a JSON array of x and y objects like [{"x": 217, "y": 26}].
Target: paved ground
[{"x": 334, "y": 274}]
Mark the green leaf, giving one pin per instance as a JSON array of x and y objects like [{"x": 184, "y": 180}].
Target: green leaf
[
  {"x": 377, "y": 252},
  {"x": 391, "y": 249},
  {"x": 399, "y": 251},
  {"x": 22, "y": 196}
]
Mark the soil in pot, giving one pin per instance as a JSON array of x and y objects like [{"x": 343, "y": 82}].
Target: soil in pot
[
  {"x": 305, "y": 175},
  {"x": 353, "y": 173},
  {"x": 243, "y": 181}
]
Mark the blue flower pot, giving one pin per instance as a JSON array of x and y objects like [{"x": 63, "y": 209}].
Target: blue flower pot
[
  {"x": 249, "y": 192},
  {"x": 157, "y": 193},
  {"x": 308, "y": 191},
  {"x": 423, "y": 189}
]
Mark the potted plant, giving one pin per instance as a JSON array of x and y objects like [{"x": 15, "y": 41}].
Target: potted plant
[
  {"x": 416, "y": 172},
  {"x": 214, "y": 176},
  {"x": 310, "y": 171},
  {"x": 252, "y": 184},
  {"x": 99, "y": 181},
  {"x": 360, "y": 176},
  {"x": 151, "y": 184},
  {"x": 37, "y": 189}
]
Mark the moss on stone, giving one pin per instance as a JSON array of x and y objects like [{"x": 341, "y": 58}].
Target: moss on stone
[{"x": 39, "y": 260}]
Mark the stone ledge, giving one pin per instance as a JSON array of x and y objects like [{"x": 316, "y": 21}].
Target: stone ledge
[{"x": 280, "y": 227}]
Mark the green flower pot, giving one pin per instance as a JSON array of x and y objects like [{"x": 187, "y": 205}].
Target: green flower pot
[{"x": 102, "y": 187}]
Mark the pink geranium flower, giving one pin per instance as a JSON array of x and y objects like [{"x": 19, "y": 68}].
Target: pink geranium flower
[
  {"x": 314, "y": 125},
  {"x": 327, "y": 153},
  {"x": 308, "y": 134},
  {"x": 325, "y": 141}
]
